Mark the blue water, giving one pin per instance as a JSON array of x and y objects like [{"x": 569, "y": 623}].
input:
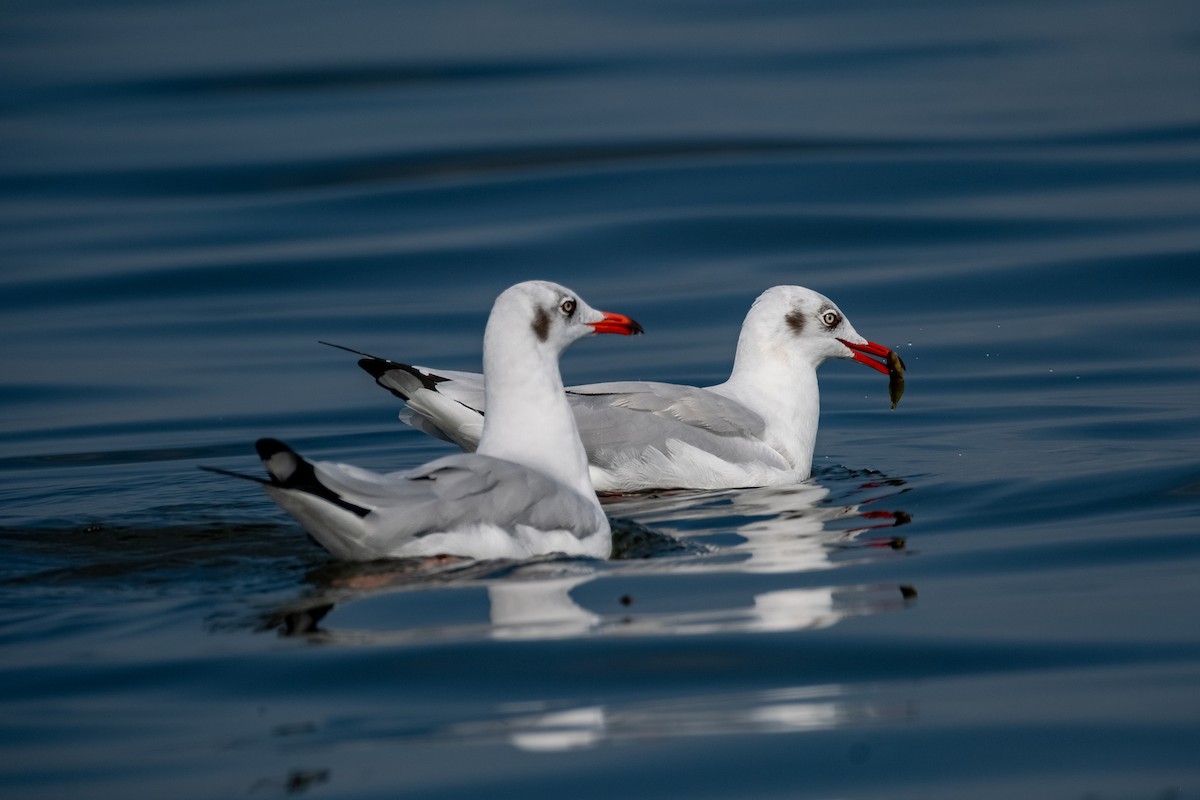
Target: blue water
[{"x": 989, "y": 592}]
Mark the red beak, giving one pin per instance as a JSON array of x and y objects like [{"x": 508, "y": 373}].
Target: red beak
[
  {"x": 616, "y": 323},
  {"x": 863, "y": 353}
]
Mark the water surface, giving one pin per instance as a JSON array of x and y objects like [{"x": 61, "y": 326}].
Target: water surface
[{"x": 987, "y": 592}]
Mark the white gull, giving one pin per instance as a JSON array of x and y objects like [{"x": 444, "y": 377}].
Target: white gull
[
  {"x": 756, "y": 429},
  {"x": 524, "y": 492}
]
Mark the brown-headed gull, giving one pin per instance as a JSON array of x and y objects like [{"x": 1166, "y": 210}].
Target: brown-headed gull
[
  {"x": 756, "y": 429},
  {"x": 525, "y": 491}
]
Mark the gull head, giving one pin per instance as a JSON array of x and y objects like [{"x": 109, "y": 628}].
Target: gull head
[
  {"x": 553, "y": 315},
  {"x": 808, "y": 325}
]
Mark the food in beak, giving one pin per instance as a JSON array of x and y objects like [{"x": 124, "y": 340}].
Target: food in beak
[
  {"x": 895, "y": 366},
  {"x": 862, "y": 354},
  {"x": 891, "y": 365}
]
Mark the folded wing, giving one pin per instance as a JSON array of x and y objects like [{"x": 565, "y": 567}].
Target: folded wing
[{"x": 499, "y": 505}]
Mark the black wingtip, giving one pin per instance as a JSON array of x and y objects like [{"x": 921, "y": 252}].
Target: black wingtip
[
  {"x": 285, "y": 466},
  {"x": 289, "y": 470},
  {"x": 343, "y": 347},
  {"x": 376, "y": 367},
  {"x": 231, "y": 474},
  {"x": 268, "y": 447}
]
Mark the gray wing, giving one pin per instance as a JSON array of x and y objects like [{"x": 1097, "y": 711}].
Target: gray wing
[
  {"x": 618, "y": 420},
  {"x": 464, "y": 387},
  {"x": 687, "y": 405},
  {"x": 458, "y": 491}
]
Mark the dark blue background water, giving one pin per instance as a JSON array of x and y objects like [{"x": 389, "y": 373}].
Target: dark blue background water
[{"x": 990, "y": 592}]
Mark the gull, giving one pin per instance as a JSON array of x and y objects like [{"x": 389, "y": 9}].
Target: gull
[
  {"x": 758, "y": 428},
  {"x": 524, "y": 491}
]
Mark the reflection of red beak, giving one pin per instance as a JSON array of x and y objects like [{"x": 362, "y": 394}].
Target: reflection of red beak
[
  {"x": 617, "y": 323},
  {"x": 862, "y": 353}
]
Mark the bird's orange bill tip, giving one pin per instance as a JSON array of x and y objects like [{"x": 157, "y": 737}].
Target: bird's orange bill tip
[{"x": 616, "y": 323}]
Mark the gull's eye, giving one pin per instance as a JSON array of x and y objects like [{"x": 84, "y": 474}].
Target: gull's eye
[
  {"x": 568, "y": 306},
  {"x": 830, "y": 318}
]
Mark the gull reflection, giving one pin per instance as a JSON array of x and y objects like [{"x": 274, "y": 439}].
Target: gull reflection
[
  {"x": 573, "y": 729},
  {"x": 788, "y": 534},
  {"x": 539, "y": 609},
  {"x": 781, "y": 530},
  {"x": 788, "y": 710}
]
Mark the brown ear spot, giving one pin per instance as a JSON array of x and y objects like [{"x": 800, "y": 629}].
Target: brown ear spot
[
  {"x": 541, "y": 325},
  {"x": 795, "y": 321}
]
